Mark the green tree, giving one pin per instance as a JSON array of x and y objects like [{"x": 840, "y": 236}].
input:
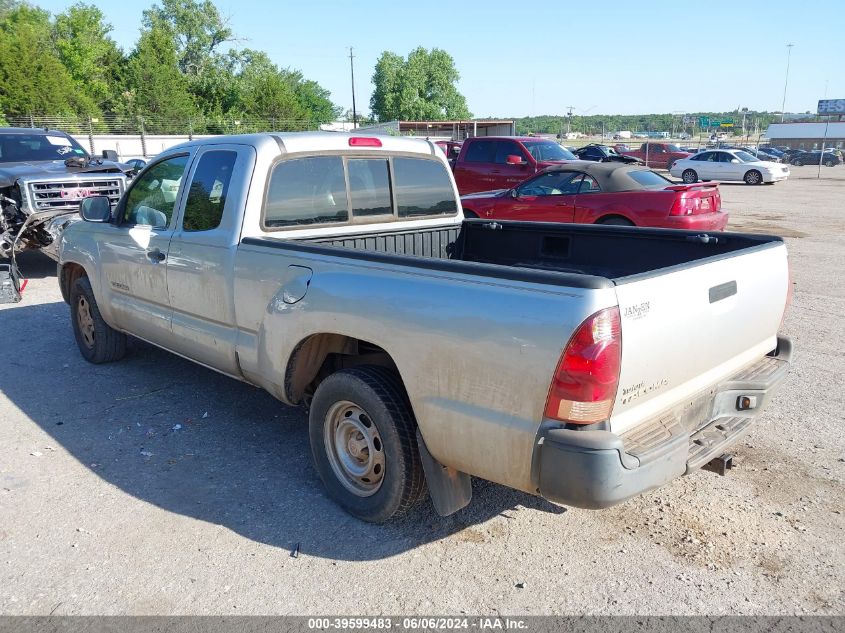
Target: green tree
[
  {"x": 88, "y": 53},
  {"x": 197, "y": 29},
  {"x": 156, "y": 89},
  {"x": 32, "y": 78},
  {"x": 421, "y": 87}
]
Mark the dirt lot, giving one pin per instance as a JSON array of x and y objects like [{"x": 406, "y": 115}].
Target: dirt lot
[{"x": 153, "y": 486}]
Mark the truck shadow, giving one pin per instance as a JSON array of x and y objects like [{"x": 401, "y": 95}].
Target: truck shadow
[
  {"x": 35, "y": 265},
  {"x": 193, "y": 442}
]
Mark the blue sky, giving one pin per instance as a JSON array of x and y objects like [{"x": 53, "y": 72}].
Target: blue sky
[{"x": 518, "y": 59}]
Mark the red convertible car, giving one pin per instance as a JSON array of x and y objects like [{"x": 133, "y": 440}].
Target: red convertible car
[{"x": 603, "y": 193}]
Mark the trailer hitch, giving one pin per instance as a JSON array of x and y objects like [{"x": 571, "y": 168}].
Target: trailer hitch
[{"x": 720, "y": 465}]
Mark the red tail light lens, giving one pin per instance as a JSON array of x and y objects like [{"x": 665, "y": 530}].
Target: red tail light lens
[
  {"x": 584, "y": 386},
  {"x": 364, "y": 141},
  {"x": 685, "y": 206}
]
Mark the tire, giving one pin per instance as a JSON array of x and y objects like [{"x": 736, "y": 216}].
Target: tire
[
  {"x": 615, "y": 221},
  {"x": 753, "y": 177},
  {"x": 829, "y": 163},
  {"x": 98, "y": 342},
  {"x": 798, "y": 162},
  {"x": 375, "y": 473},
  {"x": 689, "y": 176},
  {"x": 470, "y": 215}
]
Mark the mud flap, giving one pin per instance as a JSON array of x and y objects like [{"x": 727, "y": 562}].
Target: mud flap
[
  {"x": 10, "y": 283},
  {"x": 450, "y": 489}
]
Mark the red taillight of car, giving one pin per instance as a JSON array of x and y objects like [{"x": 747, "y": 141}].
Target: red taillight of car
[
  {"x": 584, "y": 385},
  {"x": 364, "y": 141},
  {"x": 685, "y": 206}
]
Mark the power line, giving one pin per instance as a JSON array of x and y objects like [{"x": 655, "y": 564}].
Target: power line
[{"x": 352, "y": 73}]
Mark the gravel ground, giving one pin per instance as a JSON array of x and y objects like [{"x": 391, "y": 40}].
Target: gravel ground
[{"x": 154, "y": 486}]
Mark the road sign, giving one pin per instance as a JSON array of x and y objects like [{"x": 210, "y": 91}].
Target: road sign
[
  {"x": 832, "y": 106},
  {"x": 726, "y": 124},
  {"x": 703, "y": 121}
]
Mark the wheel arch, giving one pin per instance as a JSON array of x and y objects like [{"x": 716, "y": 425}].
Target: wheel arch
[
  {"x": 319, "y": 355},
  {"x": 614, "y": 215},
  {"x": 68, "y": 273}
]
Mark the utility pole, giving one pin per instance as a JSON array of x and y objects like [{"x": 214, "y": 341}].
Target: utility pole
[
  {"x": 352, "y": 73},
  {"x": 786, "y": 80}
]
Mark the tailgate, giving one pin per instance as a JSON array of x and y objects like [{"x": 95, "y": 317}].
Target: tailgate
[{"x": 687, "y": 328}]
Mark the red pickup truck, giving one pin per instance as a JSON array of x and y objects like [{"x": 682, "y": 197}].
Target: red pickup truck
[
  {"x": 660, "y": 155},
  {"x": 497, "y": 162},
  {"x": 603, "y": 193}
]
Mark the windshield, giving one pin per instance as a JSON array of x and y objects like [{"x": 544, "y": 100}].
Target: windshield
[
  {"x": 745, "y": 157},
  {"x": 673, "y": 148},
  {"x": 548, "y": 151},
  {"x": 15, "y": 148}
]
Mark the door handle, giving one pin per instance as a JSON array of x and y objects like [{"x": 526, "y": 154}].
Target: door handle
[{"x": 156, "y": 255}]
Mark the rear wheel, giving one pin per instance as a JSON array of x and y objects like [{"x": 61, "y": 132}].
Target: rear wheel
[
  {"x": 753, "y": 177},
  {"x": 470, "y": 214},
  {"x": 798, "y": 162},
  {"x": 97, "y": 341},
  {"x": 829, "y": 163},
  {"x": 689, "y": 176},
  {"x": 615, "y": 221},
  {"x": 364, "y": 443}
]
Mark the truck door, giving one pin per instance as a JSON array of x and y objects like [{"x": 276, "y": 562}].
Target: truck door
[
  {"x": 472, "y": 170},
  {"x": 201, "y": 258},
  {"x": 133, "y": 252},
  {"x": 506, "y": 172}
]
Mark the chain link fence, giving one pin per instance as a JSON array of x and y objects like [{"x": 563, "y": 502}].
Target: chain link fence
[{"x": 151, "y": 124}]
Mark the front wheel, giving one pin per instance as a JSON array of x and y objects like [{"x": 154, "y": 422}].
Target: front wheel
[
  {"x": 798, "y": 162},
  {"x": 97, "y": 340},
  {"x": 829, "y": 163},
  {"x": 753, "y": 177},
  {"x": 689, "y": 176},
  {"x": 364, "y": 443}
]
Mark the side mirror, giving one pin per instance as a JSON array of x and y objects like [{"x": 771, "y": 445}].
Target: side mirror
[
  {"x": 735, "y": 161},
  {"x": 110, "y": 154},
  {"x": 513, "y": 159},
  {"x": 514, "y": 193},
  {"x": 95, "y": 209}
]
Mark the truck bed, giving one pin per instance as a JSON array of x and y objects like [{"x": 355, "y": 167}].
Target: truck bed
[{"x": 579, "y": 255}]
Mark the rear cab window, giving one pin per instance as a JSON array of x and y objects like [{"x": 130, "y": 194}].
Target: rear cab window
[{"x": 351, "y": 189}]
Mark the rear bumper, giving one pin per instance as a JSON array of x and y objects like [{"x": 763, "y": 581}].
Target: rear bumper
[
  {"x": 698, "y": 222},
  {"x": 597, "y": 469}
]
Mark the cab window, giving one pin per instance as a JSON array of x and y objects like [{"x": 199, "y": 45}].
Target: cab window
[
  {"x": 508, "y": 148},
  {"x": 152, "y": 198},
  {"x": 423, "y": 187},
  {"x": 481, "y": 152},
  {"x": 306, "y": 191}
]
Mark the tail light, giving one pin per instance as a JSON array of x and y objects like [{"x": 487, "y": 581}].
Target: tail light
[
  {"x": 364, "y": 141},
  {"x": 584, "y": 385}
]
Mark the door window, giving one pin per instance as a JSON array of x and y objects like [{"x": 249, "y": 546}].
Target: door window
[
  {"x": 556, "y": 183},
  {"x": 208, "y": 191},
  {"x": 481, "y": 152},
  {"x": 589, "y": 185},
  {"x": 724, "y": 157},
  {"x": 306, "y": 191},
  {"x": 152, "y": 198},
  {"x": 369, "y": 187},
  {"x": 507, "y": 148}
]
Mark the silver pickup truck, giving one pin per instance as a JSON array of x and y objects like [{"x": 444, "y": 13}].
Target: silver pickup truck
[{"x": 586, "y": 364}]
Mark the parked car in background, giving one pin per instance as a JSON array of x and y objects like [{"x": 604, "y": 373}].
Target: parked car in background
[
  {"x": 789, "y": 153},
  {"x": 728, "y": 164},
  {"x": 135, "y": 164},
  {"x": 660, "y": 155},
  {"x": 765, "y": 154},
  {"x": 604, "y": 193},
  {"x": 604, "y": 154},
  {"x": 828, "y": 159},
  {"x": 500, "y": 162},
  {"x": 450, "y": 148},
  {"x": 43, "y": 176}
]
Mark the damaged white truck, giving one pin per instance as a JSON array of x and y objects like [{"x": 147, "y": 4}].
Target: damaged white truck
[
  {"x": 44, "y": 174},
  {"x": 585, "y": 364}
]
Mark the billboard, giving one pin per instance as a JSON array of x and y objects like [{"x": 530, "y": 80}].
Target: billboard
[{"x": 832, "y": 106}]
